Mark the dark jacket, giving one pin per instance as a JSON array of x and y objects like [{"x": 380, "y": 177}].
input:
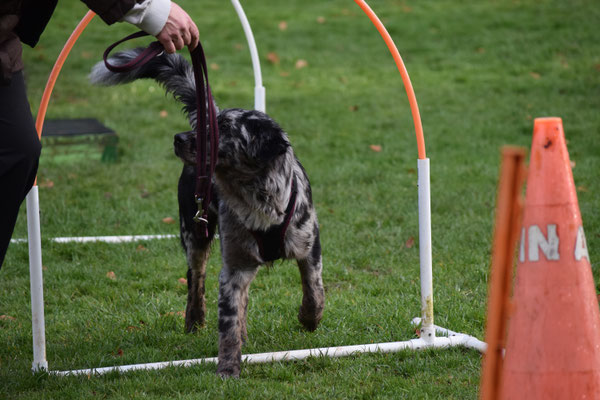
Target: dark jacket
[{"x": 25, "y": 20}]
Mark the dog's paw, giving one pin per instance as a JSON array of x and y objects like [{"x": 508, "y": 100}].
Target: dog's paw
[
  {"x": 230, "y": 371},
  {"x": 310, "y": 320}
]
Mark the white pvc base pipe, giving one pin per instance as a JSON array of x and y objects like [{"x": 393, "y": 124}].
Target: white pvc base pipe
[
  {"x": 104, "y": 239},
  {"x": 456, "y": 339},
  {"x": 36, "y": 281}
]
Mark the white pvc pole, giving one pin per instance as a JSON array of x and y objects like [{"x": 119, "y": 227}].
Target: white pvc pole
[
  {"x": 104, "y": 239},
  {"x": 427, "y": 327},
  {"x": 259, "y": 89},
  {"x": 36, "y": 281}
]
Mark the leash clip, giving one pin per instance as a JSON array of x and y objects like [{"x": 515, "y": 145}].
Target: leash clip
[{"x": 198, "y": 217}]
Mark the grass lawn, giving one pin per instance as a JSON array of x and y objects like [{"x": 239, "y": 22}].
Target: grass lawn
[{"x": 481, "y": 72}]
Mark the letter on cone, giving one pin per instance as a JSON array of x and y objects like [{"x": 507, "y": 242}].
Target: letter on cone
[{"x": 553, "y": 344}]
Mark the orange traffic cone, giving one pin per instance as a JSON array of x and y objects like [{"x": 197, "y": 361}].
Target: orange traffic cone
[{"x": 553, "y": 344}]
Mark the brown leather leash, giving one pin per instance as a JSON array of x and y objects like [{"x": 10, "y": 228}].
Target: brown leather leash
[{"x": 207, "y": 130}]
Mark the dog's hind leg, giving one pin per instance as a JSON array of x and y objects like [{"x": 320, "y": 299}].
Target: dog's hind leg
[
  {"x": 313, "y": 295},
  {"x": 233, "y": 300},
  {"x": 197, "y": 249}
]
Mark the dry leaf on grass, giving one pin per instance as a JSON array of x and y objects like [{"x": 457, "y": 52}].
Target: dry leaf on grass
[
  {"x": 46, "y": 184},
  {"x": 283, "y": 26},
  {"x": 176, "y": 313},
  {"x": 183, "y": 281},
  {"x": 7, "y": 318},
  {"x": 273, "y": 57},
  {"x": 410, "y": 242},
  {"x": 163, "y": 114},
  {"x": 168, "y": 220},
  {"x": 301, "y": 64},
  {"x": 376, "y": 148},
  {"x": 111, "y": 275}
]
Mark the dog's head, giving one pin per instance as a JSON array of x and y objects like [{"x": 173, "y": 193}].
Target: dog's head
[{"x": 249, "y": 141}]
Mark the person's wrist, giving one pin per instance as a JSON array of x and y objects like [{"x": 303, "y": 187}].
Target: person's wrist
[{"x": 156, "y": 16}]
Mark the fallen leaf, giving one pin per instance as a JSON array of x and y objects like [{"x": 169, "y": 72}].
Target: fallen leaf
[
  {"x": 410, "y": 242},
  {"x": 163, "y": 114},
  {"x": 183, "y": 281},
  {"x": 238, "y": 46},
  {"x": 406, "y": 8},
  {"x": 145, "y": 194},
  {"x": 177, "y": 313},
  {"x": 321, "y": 20},
  {"x": 47, "y": 184},
  {"x": 107, "y": 195},
  {"x": 273, "y": 58},
  {"x": 44, "y": 268},
  {"x": 353, "y": 108},
  {"x": 284, "y": 74},
  {"x": 119, "y": 352},
  {"x": 582, "y": 189},
  {"x": 376, "y": 148},
  {"x": 301, "y": 64},
  {"x": 141, "y": 248},
  {"x": 535, "y": 75},
  {"x": 214, "y": 66},
  {"x": 480, "y": 50},
  {"x": 86, "y": 55},
  {"x": 7, "y": 318},
  {"x": 132, "y": 328},
  {"x": 168, "y": 220},
  {"x": 283, "y": 26},
  {"x": 572, "y": 164},
  {"x": 111, "y": 275}
]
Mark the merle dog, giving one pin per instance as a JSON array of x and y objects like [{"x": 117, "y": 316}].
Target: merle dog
[{"x": 263, "y": 207}]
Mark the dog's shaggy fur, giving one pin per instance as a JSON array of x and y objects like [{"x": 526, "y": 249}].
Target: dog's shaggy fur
[{"x": 253, "y": 183}]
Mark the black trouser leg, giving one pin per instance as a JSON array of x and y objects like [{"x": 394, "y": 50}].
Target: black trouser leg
[{"x": 19, "y": 154}]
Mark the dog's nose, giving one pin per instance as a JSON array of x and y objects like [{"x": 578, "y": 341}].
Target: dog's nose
[{"x": 180, "y": 138}]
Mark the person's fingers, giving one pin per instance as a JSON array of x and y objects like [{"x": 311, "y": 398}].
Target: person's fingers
[
  {"x": 195, "y": 37},
  {"x": 168, "y": 45},
  {"x": 178, "y": 42},
  {"x": 187, "y": 37}
]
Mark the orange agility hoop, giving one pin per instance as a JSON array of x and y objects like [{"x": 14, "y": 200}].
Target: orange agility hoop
[
  {"x": 414, "y": 108},
  {"x": 39, "y": 122}
]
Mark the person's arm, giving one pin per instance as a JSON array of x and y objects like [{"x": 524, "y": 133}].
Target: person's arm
[{"x": 171, "y": 25}]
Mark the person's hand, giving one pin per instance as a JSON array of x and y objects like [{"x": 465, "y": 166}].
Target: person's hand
[{"x": 179, "y": 31}]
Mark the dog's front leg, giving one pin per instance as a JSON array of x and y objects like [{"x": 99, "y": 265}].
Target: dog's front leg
[
  {"x": 196, "y": 246},
  {"x": 313, "y": 298},
  {"x": 233, "y": 299}
]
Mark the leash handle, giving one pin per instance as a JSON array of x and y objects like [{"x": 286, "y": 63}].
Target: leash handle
[
  {"x": 153, "y": 50},
  {"x": 207, "y": 130}
]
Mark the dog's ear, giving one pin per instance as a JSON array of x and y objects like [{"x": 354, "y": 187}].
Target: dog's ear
[{"x": 271, "y": 141}]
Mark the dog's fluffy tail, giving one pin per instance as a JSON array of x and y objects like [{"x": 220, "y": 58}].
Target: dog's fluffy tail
[{"x": 171, "y": 70}]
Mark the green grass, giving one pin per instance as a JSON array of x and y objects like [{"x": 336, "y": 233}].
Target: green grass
[{"x": 481, "y": 72}]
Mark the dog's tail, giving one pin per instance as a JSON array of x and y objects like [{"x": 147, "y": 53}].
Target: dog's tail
[{"x": 171, "y": 70}]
